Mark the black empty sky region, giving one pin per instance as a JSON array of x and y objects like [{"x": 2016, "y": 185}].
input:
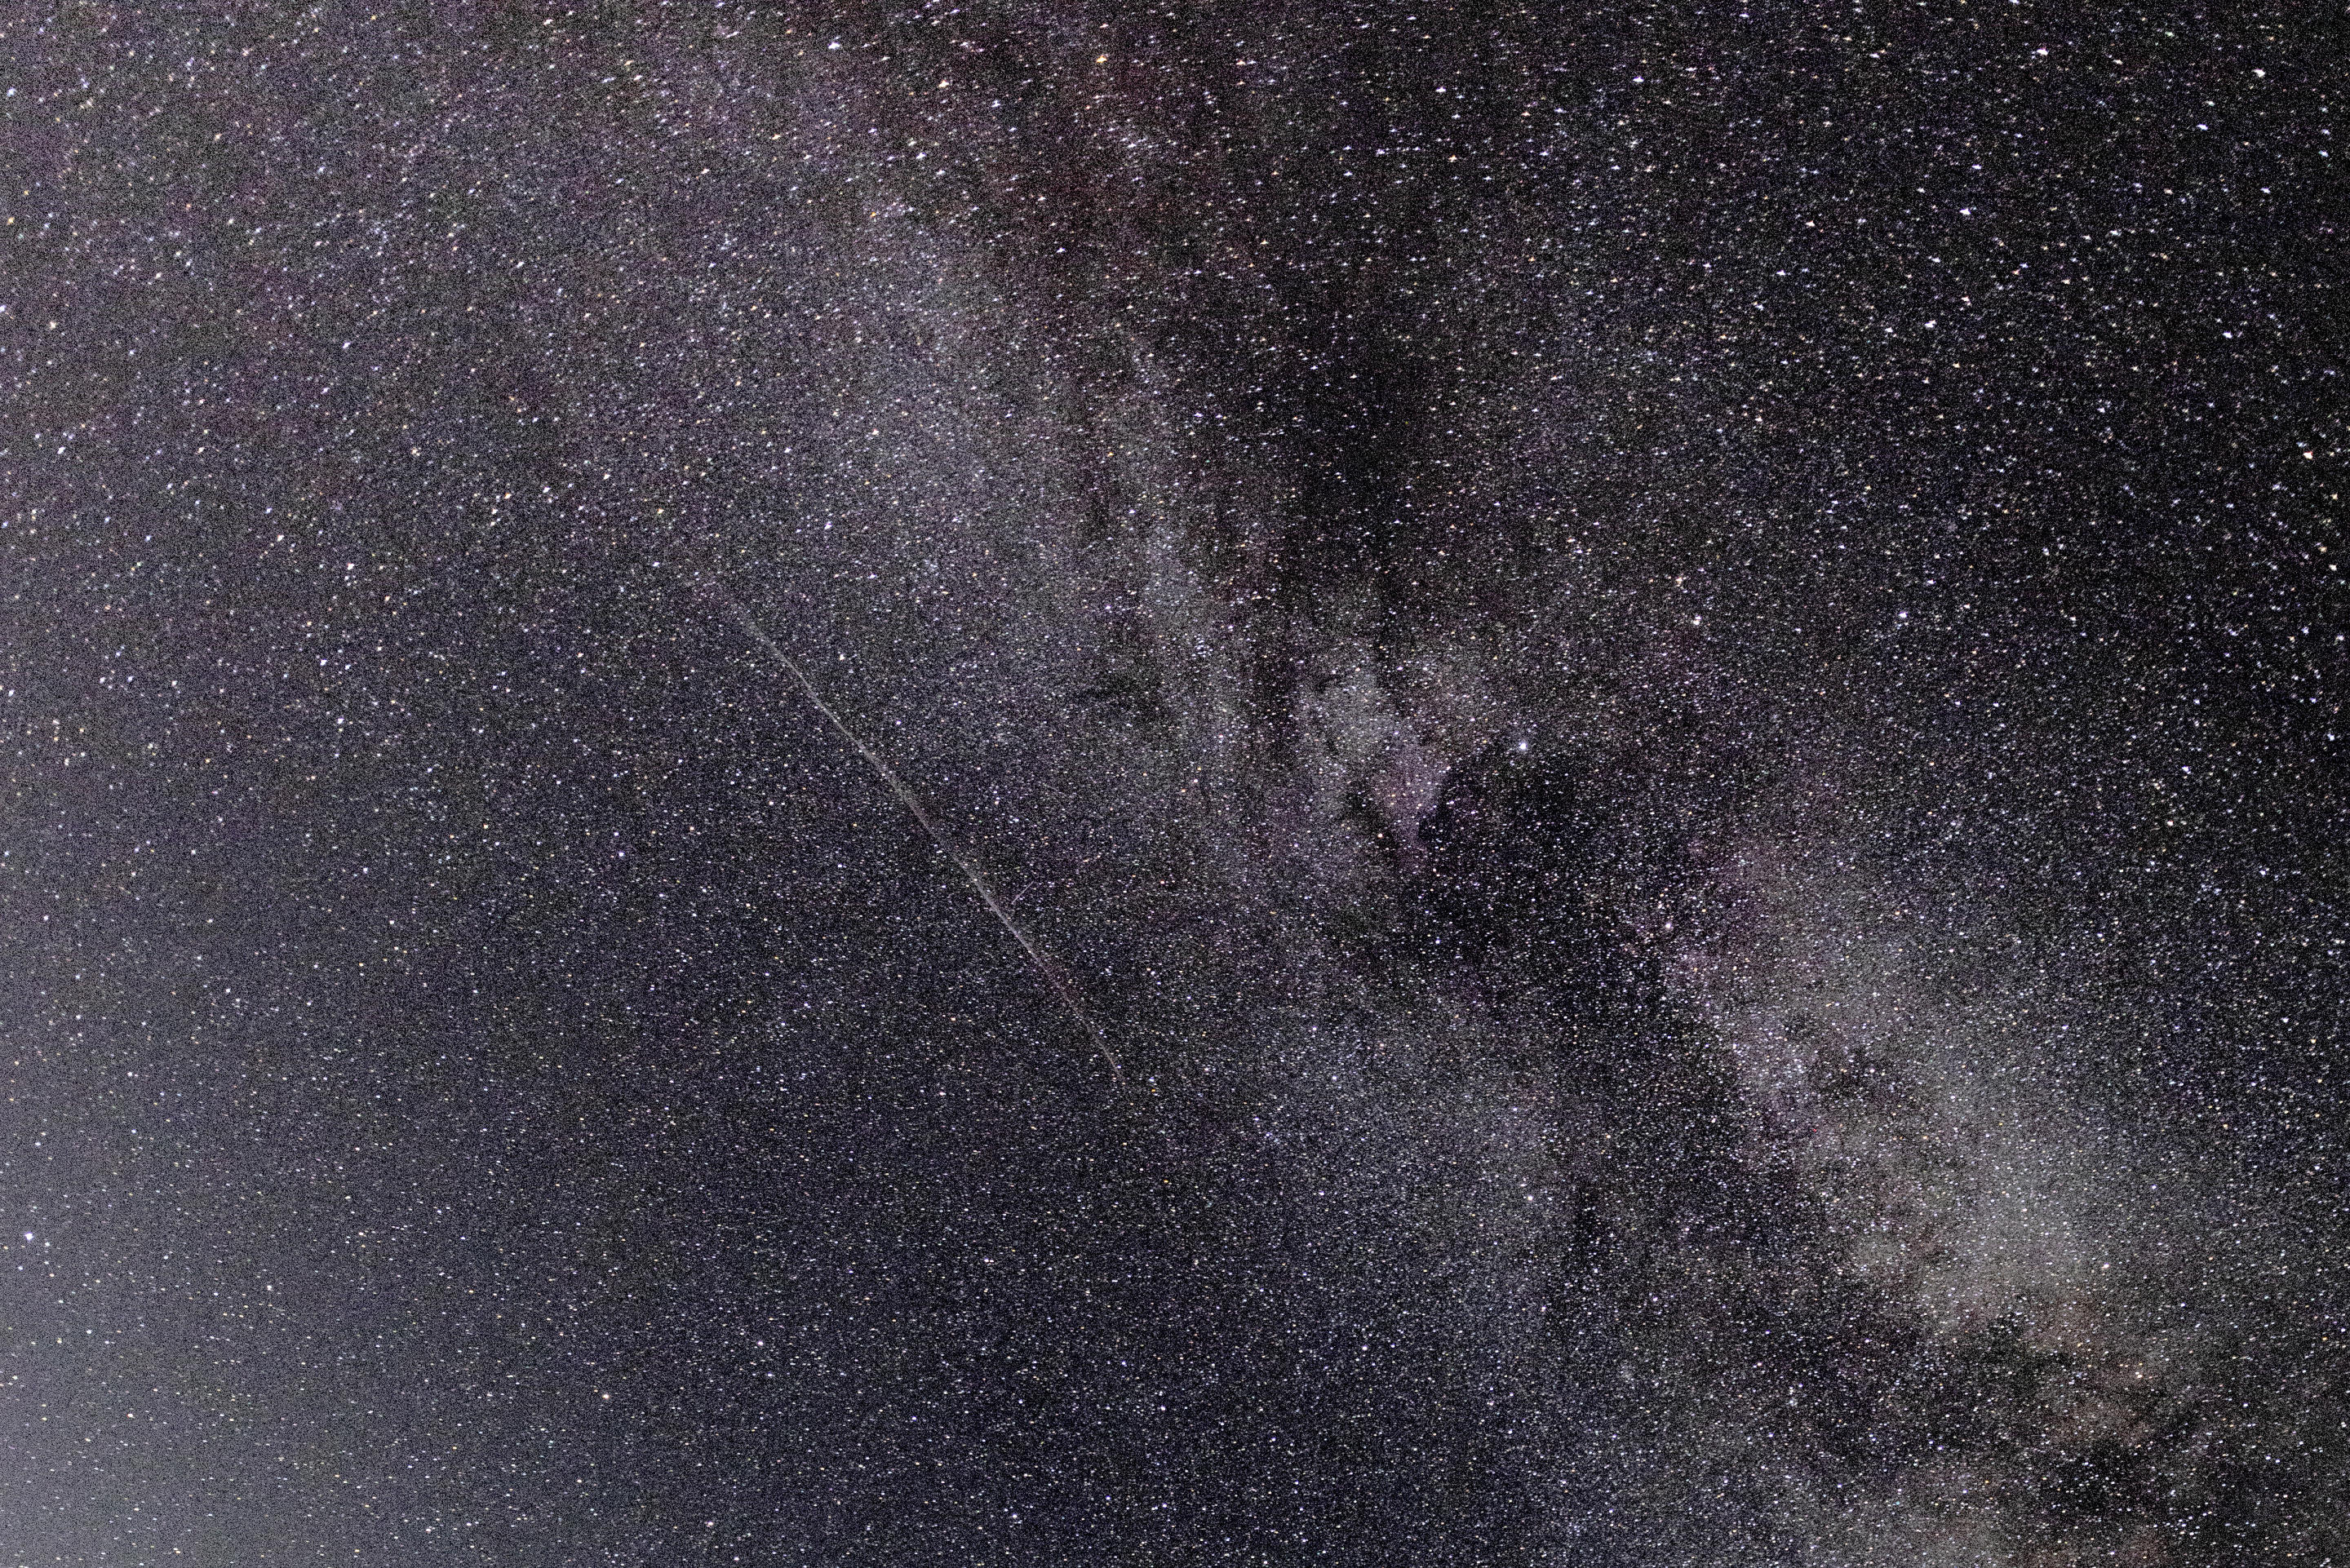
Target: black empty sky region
[{"x": 1628, "y": 733}]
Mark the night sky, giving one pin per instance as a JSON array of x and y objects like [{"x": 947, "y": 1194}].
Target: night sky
[{"x": 1668, "y": 680}]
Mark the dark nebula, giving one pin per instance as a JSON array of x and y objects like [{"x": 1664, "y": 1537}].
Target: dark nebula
[{"x": 1672, "y": 677}]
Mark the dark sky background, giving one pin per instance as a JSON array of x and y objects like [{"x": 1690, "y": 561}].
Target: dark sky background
[{"x": 1672, "y": 675}]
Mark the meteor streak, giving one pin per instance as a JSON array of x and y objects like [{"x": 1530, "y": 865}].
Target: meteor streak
[{"x": 706, "y": 584}]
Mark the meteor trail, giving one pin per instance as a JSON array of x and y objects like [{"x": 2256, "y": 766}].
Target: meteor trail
[{"x": 706, "y": 584}]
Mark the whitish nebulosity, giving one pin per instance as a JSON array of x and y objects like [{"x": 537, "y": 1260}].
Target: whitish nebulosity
[{"x": 1450, "y": 786}]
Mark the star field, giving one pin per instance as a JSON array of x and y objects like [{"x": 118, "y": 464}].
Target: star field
[{"x": 1670, "y": 678}]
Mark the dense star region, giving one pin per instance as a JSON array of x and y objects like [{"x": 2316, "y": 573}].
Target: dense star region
[{"x": 1276, "y": 783}]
